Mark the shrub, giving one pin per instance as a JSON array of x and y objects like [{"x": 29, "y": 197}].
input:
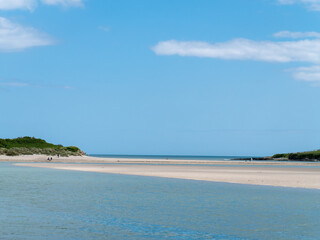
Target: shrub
[
  {"x": 3, "y": 151},
  {"x": 31, "y": 145},
  {"x": 72, "y": 149},
  {"x": 12, "y": 152},
  {"x": 282, "y": 155}
]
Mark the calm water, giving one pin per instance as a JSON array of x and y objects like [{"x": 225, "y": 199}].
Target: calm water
[{"x": 54, "y": 204}]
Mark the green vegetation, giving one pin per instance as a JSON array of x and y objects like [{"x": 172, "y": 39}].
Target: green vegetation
[
  {"x": 31, "y": 145},
  {"x": 300, "y": 156}
]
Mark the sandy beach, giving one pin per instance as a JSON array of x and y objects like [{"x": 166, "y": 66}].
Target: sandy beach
[
  {"x": 88, "y": 159},
  {"x": 255, "y": 175}
]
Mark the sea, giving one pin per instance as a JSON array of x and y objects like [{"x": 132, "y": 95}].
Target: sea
[{"x": 39, "y": 203}]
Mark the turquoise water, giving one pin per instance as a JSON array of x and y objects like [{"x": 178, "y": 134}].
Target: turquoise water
[{"x": 40, "y": 203}]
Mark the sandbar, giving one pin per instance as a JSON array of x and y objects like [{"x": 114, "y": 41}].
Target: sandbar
[{"x": 296, "y": 177}]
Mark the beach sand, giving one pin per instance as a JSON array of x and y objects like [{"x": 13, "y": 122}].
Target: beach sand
[
  {"x": 88, "y": 159},
  {"x": 297, "y": 177}
]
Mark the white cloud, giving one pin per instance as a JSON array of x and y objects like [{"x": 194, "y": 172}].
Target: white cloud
[
  {"x": 313, "y": 5},
  {"x": 65, "y": 3},
  {"x": 288, "y": 34},
  {"x": 305, "y": 51},
  {"x": 17, "y": 4},
  {"x": 14, "y": 37},
  {"x": 310, "y": 74},
  {"x": 244, "y": 49},
  {"x": 32, "y": 4}
]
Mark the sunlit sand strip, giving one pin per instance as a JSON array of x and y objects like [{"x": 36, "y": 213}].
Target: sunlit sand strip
[
  {"x": 269, "y": 176},
  {"x": 87, "y": 159}
]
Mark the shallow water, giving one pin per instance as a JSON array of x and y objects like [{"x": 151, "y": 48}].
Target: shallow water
[{"x": 38, "y": 203}]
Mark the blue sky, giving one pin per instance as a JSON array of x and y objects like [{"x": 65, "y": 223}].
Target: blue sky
[{"x": 232, "y": 77}]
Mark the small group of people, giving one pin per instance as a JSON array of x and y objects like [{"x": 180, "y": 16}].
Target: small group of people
[{"x": 50, "y": 158}]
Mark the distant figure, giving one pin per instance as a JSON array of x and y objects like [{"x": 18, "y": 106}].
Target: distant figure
[
  {"x": 58, "y": 155},
  {"x": 48, "y": 159},
  {"x": 51, "y": 159}
]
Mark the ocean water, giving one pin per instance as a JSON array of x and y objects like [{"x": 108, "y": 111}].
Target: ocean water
[{"x": 40, "y": 203}]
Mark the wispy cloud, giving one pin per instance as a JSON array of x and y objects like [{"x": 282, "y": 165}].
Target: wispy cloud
[
  {"x": 313, "y": 5},
  {"x": 65, "y": 3},
  {"x": 14, "y": 37},
  {"x": 304, "y": 51},
  {"x": 32, "y": 4},
  {"x": 296, "y": 35},
  {"x": 18, "y": 4},
  {"x": 104, "y": 28},
  {"x": 14, "y": 83},
  {"x": 245, "y": 49},
  {"x": 310, "y": 74}
]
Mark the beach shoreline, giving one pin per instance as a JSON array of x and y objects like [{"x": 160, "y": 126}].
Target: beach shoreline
[
  {"x": 267, "y": 173},
  {"x": 97, "y": 160}
]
